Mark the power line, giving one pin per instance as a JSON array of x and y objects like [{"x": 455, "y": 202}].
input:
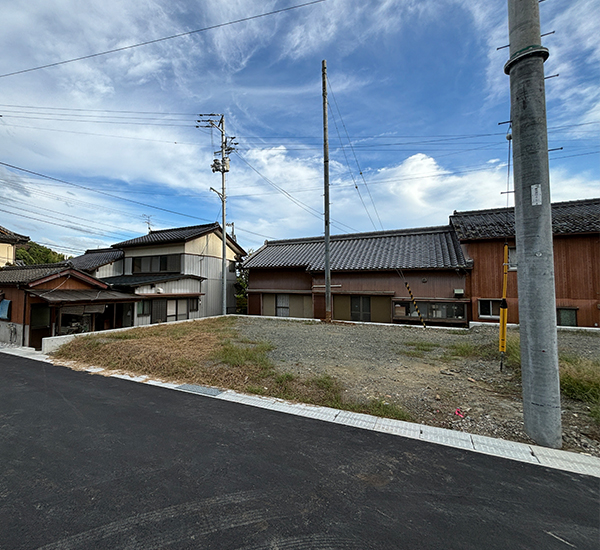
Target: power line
[
  {"x": 352, "y": 175},
  {"x": 355, "y": 157},
  {"x": 122, "y": 198},
  {"x": 155, "y": 41},
  {"x": 95, "y": 110},
  {"x": 101, "y": 135},
  {"x": 297, "y": 202}
]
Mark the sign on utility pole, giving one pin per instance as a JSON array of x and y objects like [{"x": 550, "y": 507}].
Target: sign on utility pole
[{"x": 533, "y": 225}]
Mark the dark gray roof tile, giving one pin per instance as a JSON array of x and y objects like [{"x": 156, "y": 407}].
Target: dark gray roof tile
[
  {"x": 425, "y": 248},
  {"x": 93, "y": 259},
  {"x": 29, "y": 273},
  {"x": 572, "y": 217},
  {"x": 7, "y": 236},
  {"x": 175, "y": 235}
]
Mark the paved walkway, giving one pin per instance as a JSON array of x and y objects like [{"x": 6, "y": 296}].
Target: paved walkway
[{"x": 552, "y": 458}]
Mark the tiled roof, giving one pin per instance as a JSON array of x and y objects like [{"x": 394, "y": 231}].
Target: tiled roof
[
  {"x": 29, "y": 273},
  {"x": 177, "y": 235},
  {"x": 139, "y": 280},
  {"x": 93, "y": 259},
  {"x": 163, "y": 236},
  {"x": 572, "y": 217},
  {"x": 7, "y": 236},
  {"x": 425, "y": 248},
  {"x": 78, "y": 296}
]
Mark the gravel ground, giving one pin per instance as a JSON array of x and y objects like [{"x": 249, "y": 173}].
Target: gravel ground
[{"x": 388, "y": 362}]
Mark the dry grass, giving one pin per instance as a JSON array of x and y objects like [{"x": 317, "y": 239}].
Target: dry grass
[{"x": 209, "y": 353}]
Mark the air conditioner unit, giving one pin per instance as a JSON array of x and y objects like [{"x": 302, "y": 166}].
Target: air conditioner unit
[{"x": 159, "y": 290}]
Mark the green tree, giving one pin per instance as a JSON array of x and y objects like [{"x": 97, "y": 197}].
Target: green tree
[{"x": 33, "y": 253}]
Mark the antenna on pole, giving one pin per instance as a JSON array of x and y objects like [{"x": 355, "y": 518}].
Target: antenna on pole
[{"x": 326, "y": 193}]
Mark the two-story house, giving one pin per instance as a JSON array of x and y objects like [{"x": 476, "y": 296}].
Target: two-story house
[{"x": 177, "y": 272}]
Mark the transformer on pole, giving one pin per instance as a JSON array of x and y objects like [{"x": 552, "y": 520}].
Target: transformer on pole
[{"x": 222, "y": 165}]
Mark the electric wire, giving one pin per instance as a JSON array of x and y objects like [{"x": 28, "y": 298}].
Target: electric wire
[
  {"x": 123, "y": 198},
  {"x": 350, "y": 171},
  {"x": 297, "y": 202},
  {"x": 354, "y": 153},
  {"x": 157, "y": 40}
]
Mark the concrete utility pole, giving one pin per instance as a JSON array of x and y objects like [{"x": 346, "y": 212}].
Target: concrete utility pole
[
  {"x": 326, "y": 193},
  {"x": 533, "y": 226}
]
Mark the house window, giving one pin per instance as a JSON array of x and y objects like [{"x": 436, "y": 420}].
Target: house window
[
  {"x": 360, "y": 308},
  {"x": 144, "y": 308},
  {"x": 5, "y": 310},
  {"x": 566, "y": 317},
  {"x": 430, "y": 310},
  {"x": 282, "y": 308},
  {"x": 489, "y": 308},
  {"x": 193, "y": 304},
  {"x": 170, "y": 263},
  {"x": 177, "y": 310}
]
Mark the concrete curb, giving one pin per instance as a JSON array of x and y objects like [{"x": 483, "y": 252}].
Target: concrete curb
[{"x": 532, "y": 454}]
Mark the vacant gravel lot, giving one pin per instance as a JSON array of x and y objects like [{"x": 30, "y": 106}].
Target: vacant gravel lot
[{"x": 415, "y": 368}]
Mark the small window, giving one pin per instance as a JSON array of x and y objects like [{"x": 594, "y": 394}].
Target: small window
[
  {"x": 193, "y": 304},
  {"x": 566, "y": 317},
  {"x": 5, "y": 310},
  {"x": 489, "y": 308},
  {"x": 144, "y": 308}
]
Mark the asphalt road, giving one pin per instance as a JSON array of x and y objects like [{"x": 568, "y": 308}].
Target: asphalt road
[{"x": 89, "y": 462}]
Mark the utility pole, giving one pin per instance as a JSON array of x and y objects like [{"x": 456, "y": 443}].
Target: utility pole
[
  {"x": 222, "y": 165},
  {"x": 326, "y": 193},
  {"x": 533, "y": 226}
]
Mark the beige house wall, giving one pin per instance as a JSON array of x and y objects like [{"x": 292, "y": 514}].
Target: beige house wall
[
  {"x": 208, "y": 245},
  {"x": 7, "y": 254}
]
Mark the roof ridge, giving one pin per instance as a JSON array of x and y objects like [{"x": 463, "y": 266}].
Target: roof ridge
[
  {"x": 366, "y": 235},
  {"x": 66, "y": 264},
  {"x": 511, "y": 208},
  {"x": 205, "y": 225}
]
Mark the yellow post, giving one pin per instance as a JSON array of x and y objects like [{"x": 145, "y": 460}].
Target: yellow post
[{"x": 503, "y": 306}]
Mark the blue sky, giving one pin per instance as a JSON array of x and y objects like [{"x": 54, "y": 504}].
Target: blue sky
[{"x": 417, "y": 90}]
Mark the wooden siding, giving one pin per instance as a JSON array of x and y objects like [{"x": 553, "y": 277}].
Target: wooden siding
[
  {"x": 424, "y": 284},
  {"x": 576, "y": 271},
  {"x": 265, "y": 284},
  {"x": 281, "y": 279},
  {"x": 254, "y": 304},
  {"x": 17, "y": 298},
  {"x": 381, "y": 309},
  {"x": 65, "y": 283}
]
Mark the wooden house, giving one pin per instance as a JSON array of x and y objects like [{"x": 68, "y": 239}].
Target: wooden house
[
  {"x": 369, "y": 276},
  {"x": 8, "y": 248},
  {"x": 177, "y": 273},
  {"x": 576, "y": 240},
  {"x": 38, "y": 301}
]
